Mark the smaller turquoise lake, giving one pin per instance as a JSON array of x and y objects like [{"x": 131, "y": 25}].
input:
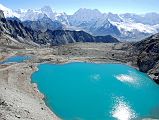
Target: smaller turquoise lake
[
  {"x": 16, "y": 59},
  {"x": 87, "y": 91}
]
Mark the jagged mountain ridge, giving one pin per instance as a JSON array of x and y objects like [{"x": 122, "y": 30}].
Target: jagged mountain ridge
[
  {"x": 18, "y": 31},
  {"x": 59, "y": 37},
  {"x": 34, "y": 15},
  {"x": 43, "y": 24},
  {"x": 15, "y": 29}
]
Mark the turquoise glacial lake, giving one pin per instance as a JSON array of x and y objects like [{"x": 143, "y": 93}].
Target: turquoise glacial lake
[{"x": 87, "y": 91}]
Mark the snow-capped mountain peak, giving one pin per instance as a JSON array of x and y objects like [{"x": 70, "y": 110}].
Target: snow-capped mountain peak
[
  {"x": 114, "y": 17},
  {"x": 36, "y": 14},
  {"x": 48, "y": 11},
  {"x": 85, "y": 15}
]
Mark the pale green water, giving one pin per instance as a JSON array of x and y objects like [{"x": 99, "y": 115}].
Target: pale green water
[{"x": 85, "y": 91}]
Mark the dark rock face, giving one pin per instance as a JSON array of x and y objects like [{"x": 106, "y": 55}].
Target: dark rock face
[
  {"x": 1, "y": 19},
  {"x": 148, "y": 56},
  {"x": 145, "y": 63},
  {"x": 148, "y": 52},
  {"x": 16, "y": 29},
  {"x": 1, "y": 14}
]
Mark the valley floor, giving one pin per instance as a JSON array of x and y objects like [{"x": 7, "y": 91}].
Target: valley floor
[{"x": 20, "y": 99}]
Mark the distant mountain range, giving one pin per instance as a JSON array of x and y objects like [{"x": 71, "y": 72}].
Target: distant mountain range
[
  {"x": 16, "y": 31},
  {"x": 122, "y": 26}
]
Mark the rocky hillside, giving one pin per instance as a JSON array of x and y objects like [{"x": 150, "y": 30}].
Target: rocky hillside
[
  {"x": 15, "y": 30},
  {"x": 148, "y": 56},
  {"x": 60, "y": 37},
  {"x": 23, "y": 34}
]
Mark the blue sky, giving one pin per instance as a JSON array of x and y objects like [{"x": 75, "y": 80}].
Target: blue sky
[{"x": 70, "y": 6}]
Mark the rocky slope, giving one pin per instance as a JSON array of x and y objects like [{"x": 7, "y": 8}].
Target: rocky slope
[
  {"x": 147, "y": 52},
  {"x": 61, "y": 37},
  {"x": 16, "y": 30}
]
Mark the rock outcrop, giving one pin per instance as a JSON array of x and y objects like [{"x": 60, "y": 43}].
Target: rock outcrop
[
  {"x": 148, "y": 56},
  {"x": 1, "y": 14},
  {"x": 16, "y": 30}
]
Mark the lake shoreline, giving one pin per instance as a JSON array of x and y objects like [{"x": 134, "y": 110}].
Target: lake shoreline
[
  {"x": 67, "y": 62},
  {"x": 26, "y": 95},
  {"x": 49, "y": 67},
  {"x": 26, "y": 66}
]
